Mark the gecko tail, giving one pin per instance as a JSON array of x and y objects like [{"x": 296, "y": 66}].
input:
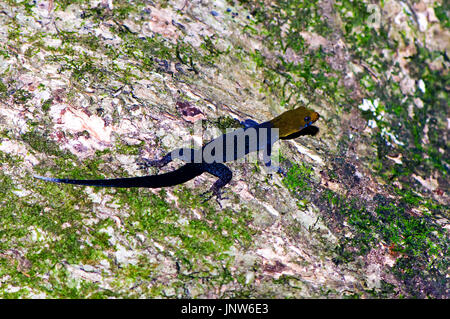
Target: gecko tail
[
  {"x": 178, "y": 176},
  {"x": 116, "y": 182}
]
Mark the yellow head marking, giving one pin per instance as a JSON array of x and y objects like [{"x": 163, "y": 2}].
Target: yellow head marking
[{"x": 293, "y": 121}]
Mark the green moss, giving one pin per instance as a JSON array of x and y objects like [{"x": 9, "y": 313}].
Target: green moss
[
  {"x": 50, "y": 230},
  {"x": 83, "y": 66},
  {"x": 210, "y": 237},
  {"x": 419, "y": 157},
  {"x": 4, "y": 54},
  {"x": 40, "y": 143},
  {"x": 47, "y": 104},
  {"x": 275, "y": 17},
  {"x": 403, "y": 126},
  {"x": 21, "y": 96},
  {"x": 292, "y": 81},
  {"x": 226, "y": 122},
  {"x": 63, "y": 4},
  {"x": 45, "y": 235},
  {"x": 297, "y": 177},
  {"x": 7, "y": 183},
  {"x": 212, "y": 52},
  {"x": 362, "y": 36},
  {"x": 126, "y": 149},
  {"x": 3, "y": 90},
  {"x": 416, "y": 240},
  {"x": 32, "y": 51},
  {"x": 196, "y": 237},
  {"x": 14, "y": 34},
  {"x": 200, "y": 246},
  {"x": 442, "y": 13}
]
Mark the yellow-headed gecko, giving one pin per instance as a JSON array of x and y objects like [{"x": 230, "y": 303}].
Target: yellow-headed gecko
[{"x": 211, "y": 156}]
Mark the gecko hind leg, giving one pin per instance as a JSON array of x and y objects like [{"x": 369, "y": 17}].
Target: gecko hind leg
[{"x": 223, "y": 173}]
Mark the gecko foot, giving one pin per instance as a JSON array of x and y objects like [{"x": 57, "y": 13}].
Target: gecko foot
[{"x": 213, "y": 192}]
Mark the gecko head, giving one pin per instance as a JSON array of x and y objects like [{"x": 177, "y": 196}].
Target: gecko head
[{"x": 293, "y": 121}]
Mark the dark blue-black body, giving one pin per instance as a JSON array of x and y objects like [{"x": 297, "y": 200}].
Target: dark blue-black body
[{"x": 211, "y": 156}]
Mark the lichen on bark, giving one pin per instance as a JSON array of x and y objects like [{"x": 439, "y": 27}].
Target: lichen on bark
[{"x": 89, "y": 87}]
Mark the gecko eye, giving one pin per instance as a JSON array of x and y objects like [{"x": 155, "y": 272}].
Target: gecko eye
[{"x": 307, "y": 119}]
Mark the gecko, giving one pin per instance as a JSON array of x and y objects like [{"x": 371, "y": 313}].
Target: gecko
[{"x": 210, "y": 158}]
